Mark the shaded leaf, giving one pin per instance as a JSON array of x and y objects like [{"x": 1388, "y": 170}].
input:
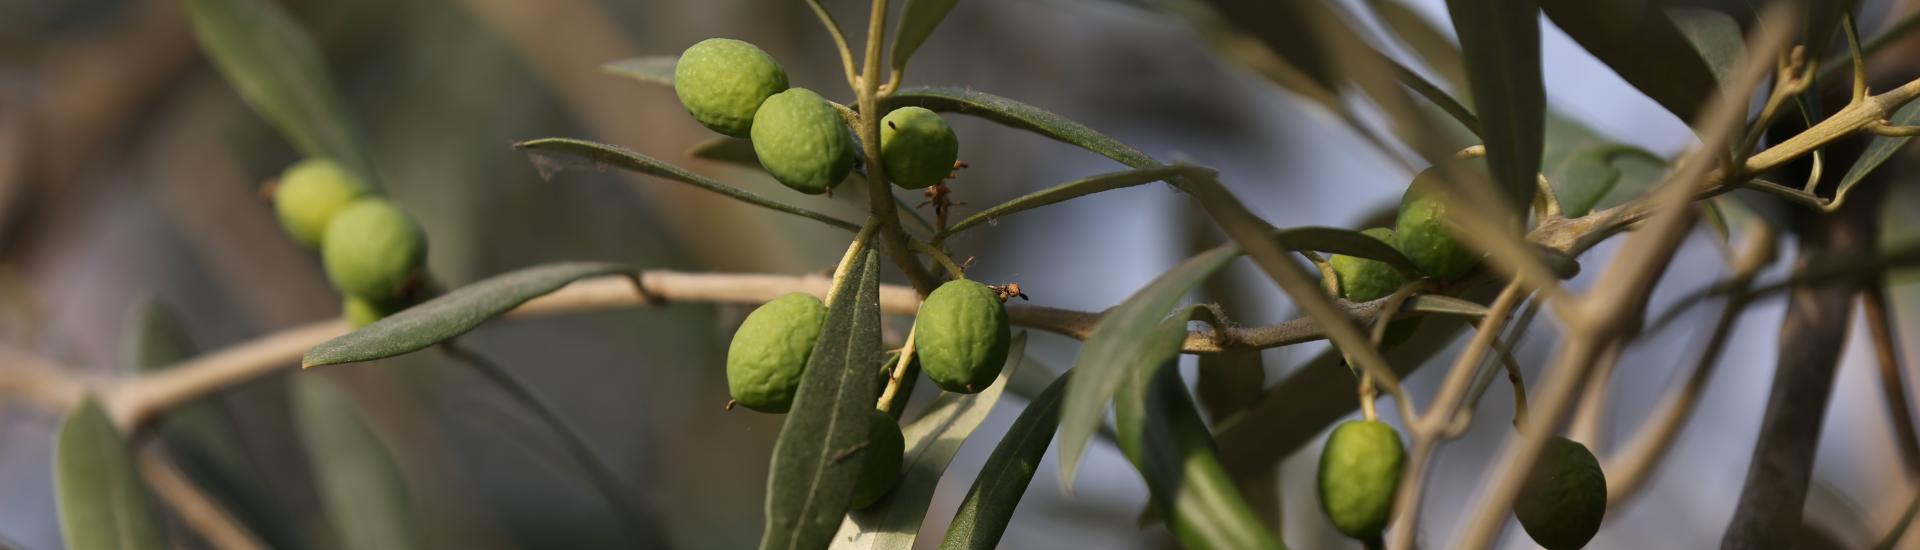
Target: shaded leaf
[
  {"x": 1119, "y": 345},
  {"x": 917, "y": 21},
  {"x": 817, "y": 459},
  {"x": 651, "y": 69},
  {"x": 1426, "y": 41},
  {"x": 103, "y": 502},
  {"x": 362, "y": 490},
  {"x": 996, "y": 492},
  {"x": 1340, "y": 240},
  {"x": 1230, "y": 382},
  {"x": 1501, "y": 43},
  {"x": 547, "y": 154},
  {"x": 1715, "y": 35},
  {"x": 1162, "y": 434},
  {"x": 453, "y": 314},
  {"x": 1878, "y": 151},
  {"x": 932, "y": 439},
  {"x": 1639, "y": 42},
  {"x": 1020, "y": 116},
  {"x": 203, "y": 436},
  {"x": 276, "y": 67}
]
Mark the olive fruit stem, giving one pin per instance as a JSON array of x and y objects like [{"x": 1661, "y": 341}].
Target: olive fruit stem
[
  {"x": 895, "y": 378},
  {"x": 1379, "y": 333},
  {"x": 839, "y": 40},
  {"x": 853, "y": 251},
  {"x": 953, "y": 269}
]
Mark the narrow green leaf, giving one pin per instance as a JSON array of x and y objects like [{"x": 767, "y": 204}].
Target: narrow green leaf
[
  {"x": 361, "y": 488},
  {"x": 1119, "y": 345},
  {"x": 1585, "y": 176},
  {"x": 1343, "y": 241},
  {"x": 1639, "y": 42},
  {"x": 1878, "y": 151},
  {"x": 549, "y": 154},
  {"x": 1439, "y": 304},
  {"x": 1068, "y": 191},
  {"x": 1436, "y": 96},
  {"x": 932, "y": 439},
  {"x": 730, "y": 150},
  {"x": 1163, "y": 436},
  {"x": 203, "y": 436},
  {"x": 276, "y": 67},
  {"x": 817, "y": 458},
  {"x": 1715, "y": 35},
  {"x": 1426, "y": 41},
  {"x": 917, "y": 21},
  {"x": 1020, "y": 116},
  {"x": 651, "y": 69},
  {"x": 104, "y": 504},
  {"x": 996, "y": 492},
  {"x": 453, "y": 314},
  {"x": 1501, "y": 42}
]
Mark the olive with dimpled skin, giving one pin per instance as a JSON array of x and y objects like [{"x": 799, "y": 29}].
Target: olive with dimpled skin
[
  {"x": 722, "y": 82},
  {"x": 802, "y": 141},
  {"x": 1360, "y": 469},
  {"x": 961, "y": 335},
  {"x": 770, "y": 349},
  {"x": 1425, "y": 235}
]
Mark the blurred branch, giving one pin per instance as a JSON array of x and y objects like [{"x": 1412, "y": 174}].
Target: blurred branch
[
  {"x": 1879, "y": 318},
  {"x": 199, "y": 511}
]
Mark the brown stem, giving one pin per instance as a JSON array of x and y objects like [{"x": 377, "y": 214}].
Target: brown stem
[{"x": 1873, "y": 302}]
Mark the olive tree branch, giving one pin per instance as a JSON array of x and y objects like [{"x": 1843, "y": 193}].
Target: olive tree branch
[
  {"x": 1873, "y": 299},
  {"x": 879, "y": 192},
  {"x": 199, "y": 512}
]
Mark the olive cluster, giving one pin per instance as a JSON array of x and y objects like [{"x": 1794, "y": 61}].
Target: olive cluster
[
  {"x": 373, "y": 251},
  {"x": 960, "y": 335}
]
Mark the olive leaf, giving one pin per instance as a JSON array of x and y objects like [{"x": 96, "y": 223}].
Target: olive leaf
[
  {"x": 203, "y": 436},
  {"x": 1639, "y": 41},
  {"x": 730, "y": 150},
  {"x": 1715, "y": 35},
  {"x": 549, "y": 154},
  {"x": 932, "y": 439},
  {"x": 1162, "y": 434},
  {"x": 1418, "y": 34},
  {"x": 1339, "y": 240},
  {"x": 917, "y": 21},
  {"x": 996, "y": 491},
  {"x": 816, "y": 460},
  {"x": 362, "y": 490},
  {"x": 1068, "y": 191},
  {"x": 1119, "y": 345},
  {"x": 1017, "y": 115},
  {"x": 454, "y": 313},
  {"x": 651, "y": 69},
  {"x": 103, "y": 503},
  {"x": 1877, "y": 152},
  {"x": 1501, "y": 43},
  {"x": 277, "y": 68}
]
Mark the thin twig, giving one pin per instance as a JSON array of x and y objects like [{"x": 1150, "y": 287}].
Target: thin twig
[
  {"x": 1886, "y": 346},
  {"x": 839, "y": 40},
  {"x": 198, "y": 511}
]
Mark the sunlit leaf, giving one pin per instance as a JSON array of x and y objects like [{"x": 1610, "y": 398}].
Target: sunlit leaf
[
  {"x": 651, "y": 69},
  {"x": 1119, "y": 345},
  {"x": 453, "y": 314},
  {"x": 362, "y": 490},
  {"x": 276, "y": 67},
  {"x": 917, "y": 21},
  {"x": 550, "y": 154},
  {"x": 103, "y": 503},
  {"x": 996, "y": 492},
  {"x": 817, "y": 459},
  {"x": 894, "y": 522},
  {"x": 1501, "y": 43}
]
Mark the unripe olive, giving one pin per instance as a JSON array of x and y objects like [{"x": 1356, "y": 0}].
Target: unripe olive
[
  {"x": 880, "y": 459},
  {"x": 961, "y": 335},
  {"x": 770, "y": 350},
  {"x": 917, "y": 146},
  {"x": 1424, "y": 233},
  {"x": 361, "y": 312},
  {"x": 1360, "y": 471},
  {"x": 802, "y": 141},
  {"x": 310, "y": 193},
  {"x": 1564, "y": 498},
  {"x": 722, "y": 81},
  {"x": 1364, "y": 280},
  {"x": 373, "y": 250}
]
